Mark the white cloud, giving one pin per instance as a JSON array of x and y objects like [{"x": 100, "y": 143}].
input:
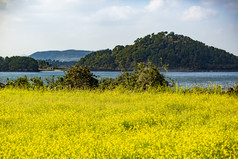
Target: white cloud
[
  {"x": 212, "y": 2},
  {"x": 154, "y": 5},
  {"x": 196, "y": 13},
  {"x": 19, "y": 19},
  {"x": 230, "y": 4},
  {"x": 114, "y": 13}
]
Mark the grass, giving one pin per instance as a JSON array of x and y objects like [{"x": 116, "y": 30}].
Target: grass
[{"x": 117, "y": 124}]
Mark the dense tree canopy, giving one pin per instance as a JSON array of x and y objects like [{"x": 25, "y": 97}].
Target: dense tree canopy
[
  {"x": 17, "y": 63},
  {"x": 178, "y": 51}
]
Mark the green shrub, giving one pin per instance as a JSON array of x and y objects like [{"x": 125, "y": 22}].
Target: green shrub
[
  {"x": 21, "y": 82},
  {"x": 37, "y": 82},
  {"x": 80, "y": 77},
  {"x": 143, "y": 76}
]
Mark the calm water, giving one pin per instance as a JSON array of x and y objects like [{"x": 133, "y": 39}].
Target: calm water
[{"x": 226, "y": 79}]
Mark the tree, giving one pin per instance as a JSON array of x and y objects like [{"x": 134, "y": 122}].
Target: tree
[
  {"x": 80, "y": 77},
  {"x": 143, "y": 76}
]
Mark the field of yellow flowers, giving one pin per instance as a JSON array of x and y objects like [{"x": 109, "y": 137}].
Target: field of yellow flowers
[{"x": 117, "y": 124}]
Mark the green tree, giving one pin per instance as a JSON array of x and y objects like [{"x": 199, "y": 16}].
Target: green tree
[
  {"x": 80, "y": 77},
  {"x": 143, "y": 76}
]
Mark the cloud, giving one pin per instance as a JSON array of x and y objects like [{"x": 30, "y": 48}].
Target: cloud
[
  {"x": 230, "y": 4},
  {"x": 113, "y": 13},
  {"x": 157, "y": 5},
  {"x": 154, "y": 5},
  {"x": 197, "y": 13},
  {"x": 212, "y": 2}
]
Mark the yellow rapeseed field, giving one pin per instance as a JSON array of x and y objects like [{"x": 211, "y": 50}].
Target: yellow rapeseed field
[{"x": 117, "y": 124}]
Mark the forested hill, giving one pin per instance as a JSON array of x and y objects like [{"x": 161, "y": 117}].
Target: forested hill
[
  {"x": 180, "y": 52},
  {"x": 17, "y": 63},
  {"x": 67, "y": 55}
]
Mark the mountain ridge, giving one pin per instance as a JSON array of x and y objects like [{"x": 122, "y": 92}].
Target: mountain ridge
[{"x": 57, "y": 55}]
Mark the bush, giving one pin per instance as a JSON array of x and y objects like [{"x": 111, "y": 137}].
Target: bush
[
  {"x": 21, "y": 82},
  {"x": 143, "y": 76},
  {"x": 80, "y": 77},
  {"x": 2, "y": 85},
  {"x": 107, "y": 83},
  {"x": 37, "y": 82},
  {"x": 233, "y": 90}
]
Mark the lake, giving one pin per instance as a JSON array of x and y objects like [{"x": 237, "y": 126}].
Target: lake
[{"x": 226, "y": 79}]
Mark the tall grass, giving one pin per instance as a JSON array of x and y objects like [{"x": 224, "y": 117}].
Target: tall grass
[{"x": 117, "y": 124}]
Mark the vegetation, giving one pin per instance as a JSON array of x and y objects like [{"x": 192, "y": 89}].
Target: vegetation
[
  {"x": 17, "y": 63},
  {"x": 50, "y": 65},
  {"x": 61, "y": 64},
  {"x": 80, "y": 77},
  {"x": 143, "y": 77},
  {"x": 180, "y": 52},
  {"x": 42, "y": 64},
  {"x": 117, "y": 124},
  {"x": 75, "y": 78}
]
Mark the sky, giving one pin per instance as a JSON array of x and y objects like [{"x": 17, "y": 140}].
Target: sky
[{"x": 27, "y": 26}]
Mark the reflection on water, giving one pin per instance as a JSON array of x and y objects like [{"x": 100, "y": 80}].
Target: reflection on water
[{"x": 226, "y": 79}]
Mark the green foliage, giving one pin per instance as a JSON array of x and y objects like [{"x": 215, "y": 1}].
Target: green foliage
[
  {"x": 61, "y": 64},
  {"x": 143, "y": 76},
  {"x": 233, "y": 90},
  {"x": 75, "y": 77},
  {"x": 17, "y": 63},
  {"x": 107, "y": 84},
  {"x": 50, "y": 82},
  {"x": 37, "y": 82},
  {"x": 101, "y": 59},
  {"x": 80, "y": 77},
  {"x": 44, "y": 64},
  {"x": 2, "y": 85},
  {"x": 21, "y": 82},
  {"x": 180, "y": 52}
]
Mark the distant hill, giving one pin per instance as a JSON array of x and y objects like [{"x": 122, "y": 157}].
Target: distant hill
[
  {"x": 180, "y": 52},
  {"x": 67, "y": 55}
]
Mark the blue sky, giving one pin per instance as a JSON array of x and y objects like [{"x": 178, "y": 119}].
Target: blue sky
[{"x": 27, "y": 26}]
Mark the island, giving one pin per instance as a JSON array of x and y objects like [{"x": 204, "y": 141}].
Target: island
[
  {"x": 179, "y": 52},
  {"x": 18, "y": 64}
]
